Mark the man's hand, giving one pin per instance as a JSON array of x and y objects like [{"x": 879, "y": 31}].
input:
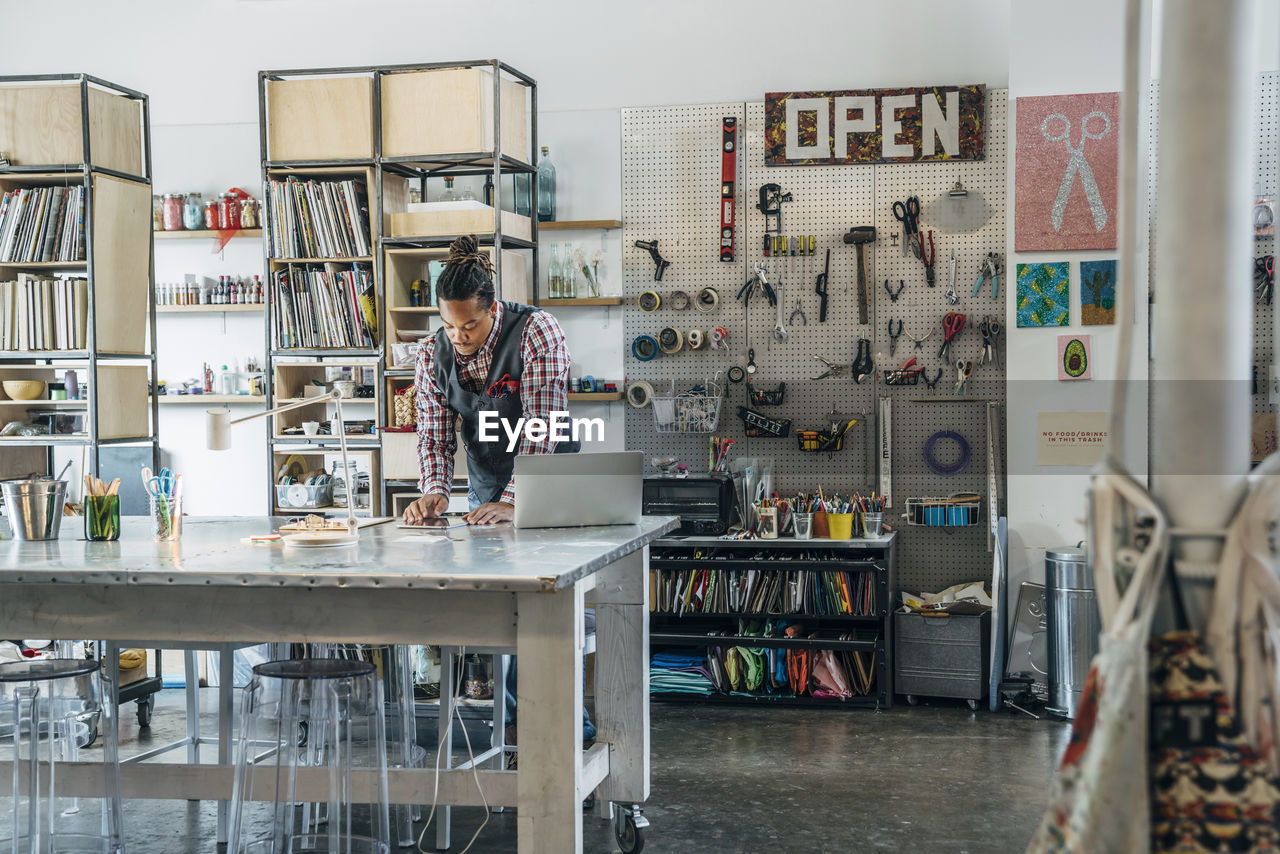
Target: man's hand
[
  {"x": 491, "y": 514},
  {"x": 426, "y": 507}
]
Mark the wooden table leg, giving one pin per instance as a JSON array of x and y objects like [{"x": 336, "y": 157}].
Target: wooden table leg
[
  {"x": 622, "y": 675},
  {"x": 549, "y": 642}
]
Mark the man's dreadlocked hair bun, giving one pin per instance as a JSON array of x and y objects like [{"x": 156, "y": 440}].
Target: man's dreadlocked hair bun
[{"x": 468, "y": 273}]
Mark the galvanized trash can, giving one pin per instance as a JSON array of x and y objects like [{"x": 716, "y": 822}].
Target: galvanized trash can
[{"x": 1074, "y": 626}]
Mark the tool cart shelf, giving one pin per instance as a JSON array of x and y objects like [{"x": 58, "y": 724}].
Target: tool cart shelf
[{"x": 860, "y": 625}]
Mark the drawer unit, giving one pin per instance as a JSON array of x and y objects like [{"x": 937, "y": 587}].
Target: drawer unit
[{"x": 942, "y": 656}]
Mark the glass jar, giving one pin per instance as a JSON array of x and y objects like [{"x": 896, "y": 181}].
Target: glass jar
[
  {"x": 102, "y": 518},
  {"x": 248, "y": 213},
  {"x": 173, "y": 206},
  {"x": 193, "y": 213},
  {"x": 157, "y": 213},
  {"x": 228, "y": 211},
  {"x": 211, "y": 215}
]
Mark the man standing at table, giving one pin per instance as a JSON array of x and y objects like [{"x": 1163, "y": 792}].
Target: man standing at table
[{"x": 489, "y": 356}]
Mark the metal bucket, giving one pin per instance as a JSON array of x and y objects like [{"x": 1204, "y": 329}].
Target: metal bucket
[
  {"x": 1074, "y": 626},
  {"x": 34, "y": 507}
]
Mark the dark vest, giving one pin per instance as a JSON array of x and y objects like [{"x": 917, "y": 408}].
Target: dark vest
[{"x": 489, "y": 464}]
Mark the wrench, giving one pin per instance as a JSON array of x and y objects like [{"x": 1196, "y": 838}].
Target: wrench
[
  {"x": 779, "y": 331},
  {"x": 952, "y": 296}
]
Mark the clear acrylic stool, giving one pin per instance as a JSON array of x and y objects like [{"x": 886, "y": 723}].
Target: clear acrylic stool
[
  {"x": 317, "y": 730},
  {"x": 49, "y": 709}
]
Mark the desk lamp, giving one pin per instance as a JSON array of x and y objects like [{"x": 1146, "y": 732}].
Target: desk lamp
[{"x": 218, "y": 438}]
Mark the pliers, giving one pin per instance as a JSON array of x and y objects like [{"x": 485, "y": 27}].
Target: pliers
[
  {"x": 800, "y": 311},
  {"x": 932, "y": 383},
  {"x": 833, "y": 370},
  {"x": 894, "y": 336},
  {"x": 990, "y": 270},
  {"x": 893, "y": 295},
  {"x": 928, "y": 258},
  {"x": 759, "y": 280}
]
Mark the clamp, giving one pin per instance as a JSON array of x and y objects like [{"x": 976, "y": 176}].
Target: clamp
[
  {"x": 894, "y": 336},
  {"x": 833, "y": 370},
  {"x": 661, "y": 263},
  {"x": 893, "y": 295},
  {"x": 863, "y": 365}
]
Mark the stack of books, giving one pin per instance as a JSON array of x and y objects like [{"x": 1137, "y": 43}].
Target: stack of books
[
  {"x": 324, "y": 306},
  {"x": 44, "y": 314},
  {"x": 42, "y": 224},
  {"x": 319, "y": 219}
]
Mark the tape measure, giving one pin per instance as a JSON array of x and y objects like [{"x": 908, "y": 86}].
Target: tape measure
[
  {"x": 670, "y": 340},
  {"x": 649, "y": 301}
]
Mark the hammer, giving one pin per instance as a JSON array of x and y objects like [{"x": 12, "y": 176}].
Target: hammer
[{"x": 860, "y": 235}]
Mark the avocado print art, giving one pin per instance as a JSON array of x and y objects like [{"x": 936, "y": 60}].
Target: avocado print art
[
  {"x": 1075, "y": 357},
  {"x": 1044, "y": 294},
  {"x": 1097, "y": 292}
]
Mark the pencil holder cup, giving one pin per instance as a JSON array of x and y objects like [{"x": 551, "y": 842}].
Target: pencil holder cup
[
  {"x": 804, "y": 525},
  {"x": 840, "y": 525},
  {"x": 768, "y": 523},
  {"x": 166, "y": 518},
  {"x": 820, "y": 527},
  {"x": 872, "y": 525},
  {"x": 101, "y": 517}
]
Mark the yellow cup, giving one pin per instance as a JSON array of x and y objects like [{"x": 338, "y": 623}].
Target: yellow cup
[{"x": 840, "y": 525}]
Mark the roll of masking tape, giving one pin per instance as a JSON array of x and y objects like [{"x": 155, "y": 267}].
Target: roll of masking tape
[
  {"x": 644, "y": 347},
  {"x": 708, "y": 299},
  {"x": 670, "y": 340},
  {"x": 650, "y": 301},
  {"x": 639, "y": 394},
  {"x": 697, "y": 339},
  {"x": 679, "y": 300},
  {"x": 736, "y": 374},
  {"x": 718, "y": 337}
]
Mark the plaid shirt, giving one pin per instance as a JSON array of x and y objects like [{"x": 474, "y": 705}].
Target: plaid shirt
[{"x": 544, "y": 388}]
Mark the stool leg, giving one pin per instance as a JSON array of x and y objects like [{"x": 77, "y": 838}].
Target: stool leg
[
  {"x": 27, "y": 719},
  {"x": 240, "y": 788},
  {"x": 226, "y": 696},
  {"x": 444, "y": 731},
  {"x": 406, "y": 734},
  {"x": 192, "y": 680},
  {"x": 113, "y": 808}
]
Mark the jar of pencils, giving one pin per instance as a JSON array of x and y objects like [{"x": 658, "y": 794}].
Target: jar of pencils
[
  {"x": 166, "y": 518},
  {"x": 101, "y": 518}
]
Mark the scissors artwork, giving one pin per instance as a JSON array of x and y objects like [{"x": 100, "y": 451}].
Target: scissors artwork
[{"x": 1077, "y": 164}]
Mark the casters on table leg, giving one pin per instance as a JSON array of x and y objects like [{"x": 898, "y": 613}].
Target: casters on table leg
[
  {"x": 145, "y": 707},
  {"x": 973, "y": 704},
  {"x": 629, "y": 825},
  {"x": 913, "y": 700}
]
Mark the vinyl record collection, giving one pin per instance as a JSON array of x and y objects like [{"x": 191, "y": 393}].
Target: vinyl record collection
[
  {"x": 324, "y": 306},
  {"x": 44, "y": 314},
  {"x": 39, "y": 224},
  {"x": 319, "y": 219}
]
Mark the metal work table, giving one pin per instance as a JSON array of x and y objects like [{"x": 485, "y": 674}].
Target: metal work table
[{"x": 466, "y": 587}]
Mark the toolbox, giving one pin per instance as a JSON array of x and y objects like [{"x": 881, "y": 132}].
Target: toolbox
[{"x": 942, "y": 656}]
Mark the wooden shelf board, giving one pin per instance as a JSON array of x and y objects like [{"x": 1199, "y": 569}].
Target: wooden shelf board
[
  {"x": 420, "y": 309},
  {"x": 346, "y": 401},
  {"x": 585, "y": 301},
  {"x": 47, "y": 404},
  {"x": 208, "y": 309},
  {"x": 46, "y": 265},
  {"x": 352, "y": 260},
  {"x": 192, "y": 399},
  {"x": 579, "y": 224},
  {"x": 589, "y": 396},
  {"x": 196, "y": 235}
]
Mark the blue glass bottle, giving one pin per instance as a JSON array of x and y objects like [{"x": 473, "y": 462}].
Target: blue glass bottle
[
  {"x": 523, "y": 194},
  {"x": 546, "y": 188}
]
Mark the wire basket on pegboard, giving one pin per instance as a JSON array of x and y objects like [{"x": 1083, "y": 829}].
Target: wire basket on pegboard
[
  {"x": 962, "y": 510},
  {"x": 694, "y": 411},
  {"x": 764, "y": 397},
  {"x": 829, "y": 441},
  {"x": 759, "y": 426}
]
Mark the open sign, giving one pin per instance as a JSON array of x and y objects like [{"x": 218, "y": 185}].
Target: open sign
[{"x": 875, "y": 125}]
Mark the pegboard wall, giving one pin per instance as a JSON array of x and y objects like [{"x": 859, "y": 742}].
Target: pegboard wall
[
  {"x": 671, "y": 180},
  {"x": 1267, "y": 183}
]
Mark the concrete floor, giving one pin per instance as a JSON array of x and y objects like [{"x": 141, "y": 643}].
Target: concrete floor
[{"x": 733, "y": 779}]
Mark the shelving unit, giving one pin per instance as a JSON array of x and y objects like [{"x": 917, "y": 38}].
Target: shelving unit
[
  {"x": 64, "y": 130},
  {"x": 210, "y": 309},
  {"x": 394, "y": 125},
  {"x": 871, "y": 633},
  {"x": 582, "y": 225},
  {"x": 594, "y": 396},
  {"x": 206, "y": 399},
  {"x": 202, "y": 234}
]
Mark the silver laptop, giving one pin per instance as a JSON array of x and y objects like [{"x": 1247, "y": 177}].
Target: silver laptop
[{"x": 569, "y": 490}]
